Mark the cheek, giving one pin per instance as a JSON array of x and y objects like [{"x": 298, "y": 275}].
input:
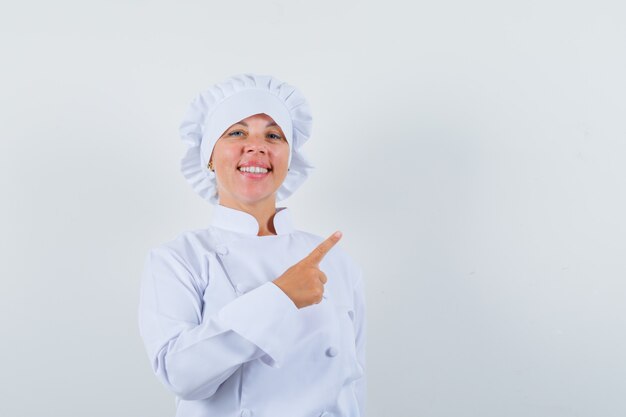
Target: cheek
[
  {"x": 281, "y": 159},
  {"x": 222, "y": 153}
]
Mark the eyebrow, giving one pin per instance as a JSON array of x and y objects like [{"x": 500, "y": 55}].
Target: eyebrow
[{"x": 246, "y": 124}]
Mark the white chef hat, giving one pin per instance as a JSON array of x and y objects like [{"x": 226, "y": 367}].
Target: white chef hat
[{"x": 226, "y": 103}]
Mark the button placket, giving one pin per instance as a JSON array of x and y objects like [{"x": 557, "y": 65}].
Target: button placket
[
  {"x": 351, "y": 314},
  {"x": 240, "y": 289},
  {"x": 331, "y": 352}
]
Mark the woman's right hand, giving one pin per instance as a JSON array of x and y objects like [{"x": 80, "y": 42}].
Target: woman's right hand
[{"x": 304, "y": 281}]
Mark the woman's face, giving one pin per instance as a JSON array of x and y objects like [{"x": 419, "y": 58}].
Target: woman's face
[{"x": 250, "y": 161}]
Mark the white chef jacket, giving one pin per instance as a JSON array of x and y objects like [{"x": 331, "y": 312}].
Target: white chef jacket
[{"x": 228, "y": 342}]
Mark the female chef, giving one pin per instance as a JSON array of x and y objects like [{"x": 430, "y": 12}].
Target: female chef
[{"x": 251, "y": 317}]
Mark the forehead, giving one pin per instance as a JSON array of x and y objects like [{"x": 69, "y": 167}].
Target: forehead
[{"x": 260, "y": 118}]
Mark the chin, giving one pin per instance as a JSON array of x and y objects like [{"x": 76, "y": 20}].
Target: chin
[
  {"x": 255, "y": 198},
  {"x": 248, "y": 194}
]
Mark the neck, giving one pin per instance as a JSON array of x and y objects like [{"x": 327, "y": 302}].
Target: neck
[{"x": 263, "y": 212}]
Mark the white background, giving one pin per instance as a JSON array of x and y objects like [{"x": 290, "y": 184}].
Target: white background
[{"x": 471, "y": 152}]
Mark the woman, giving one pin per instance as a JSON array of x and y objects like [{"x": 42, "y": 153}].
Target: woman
[{"x": 251, "y": 317}]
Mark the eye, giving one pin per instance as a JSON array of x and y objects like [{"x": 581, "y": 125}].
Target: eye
[
  {"x": 274, "y": 136},
  {"x": 236, "y": 133}
]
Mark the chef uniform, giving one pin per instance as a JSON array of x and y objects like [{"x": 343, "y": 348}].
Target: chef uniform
[
  {"x": 219, "y": 333},
  {"x": 228, "y": 342}
]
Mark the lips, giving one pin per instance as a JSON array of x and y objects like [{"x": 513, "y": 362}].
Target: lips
[
  {"x": 254, "y": 170},
  {"x": 254, "y": 167}
]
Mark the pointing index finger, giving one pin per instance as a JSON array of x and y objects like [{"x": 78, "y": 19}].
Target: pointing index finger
[{"x": 322, "y": 249}]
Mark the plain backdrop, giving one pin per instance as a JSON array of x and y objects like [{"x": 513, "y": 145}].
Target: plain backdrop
[{"x": 471, "y": 152}]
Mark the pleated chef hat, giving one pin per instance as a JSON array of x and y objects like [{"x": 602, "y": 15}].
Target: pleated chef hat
[{"x": 226, "y": 103}]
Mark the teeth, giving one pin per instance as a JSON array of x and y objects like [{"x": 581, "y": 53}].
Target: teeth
[{"x": 253, "y": 170}]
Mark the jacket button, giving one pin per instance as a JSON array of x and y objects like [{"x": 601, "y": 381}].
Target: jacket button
[
  {"x": 331, "y": 352},
  {"x": 239, "y": 289},
  {"x": 222, "y": 250},
  {"x": 246, "y": 413}
]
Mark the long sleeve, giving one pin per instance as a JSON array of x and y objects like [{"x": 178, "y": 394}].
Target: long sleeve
[
  {"x": 360, "y": 335},
  {"x": 192, "y": 355}
]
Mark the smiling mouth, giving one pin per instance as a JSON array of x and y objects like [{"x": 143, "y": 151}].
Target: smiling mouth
[{"x": 255, "y": 170}]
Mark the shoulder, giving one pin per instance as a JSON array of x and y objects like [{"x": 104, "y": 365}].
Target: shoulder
[
  {"x": 185, "y": 259},
  {"x": 186, "y": 247}
]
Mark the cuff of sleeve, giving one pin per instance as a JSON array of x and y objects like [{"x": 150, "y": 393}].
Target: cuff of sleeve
[{"x": 263, "y": 317}]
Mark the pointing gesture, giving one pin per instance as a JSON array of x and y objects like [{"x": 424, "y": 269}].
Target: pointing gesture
[{"x": 304, "y": 281}]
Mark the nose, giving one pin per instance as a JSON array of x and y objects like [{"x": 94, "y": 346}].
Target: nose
[{"x": 255, "y": 144}]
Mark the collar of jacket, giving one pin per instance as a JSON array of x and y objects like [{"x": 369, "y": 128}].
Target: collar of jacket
[{"x": 241, "y": 222}]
